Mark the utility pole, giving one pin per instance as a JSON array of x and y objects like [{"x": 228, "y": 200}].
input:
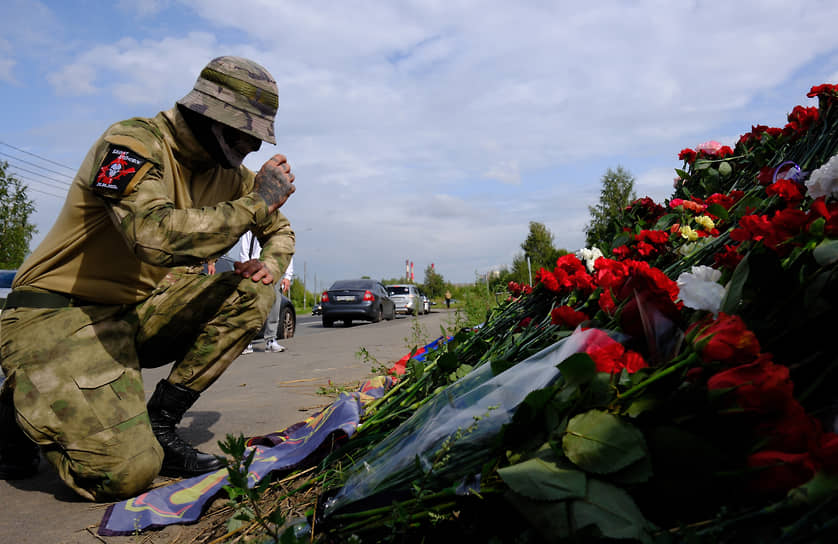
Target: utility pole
[{"x": 305, "y": 276}]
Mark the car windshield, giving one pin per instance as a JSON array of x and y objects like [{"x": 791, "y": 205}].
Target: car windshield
[
  {"x": 351, "y": 284},
  {"x": 397, "y": 290}
]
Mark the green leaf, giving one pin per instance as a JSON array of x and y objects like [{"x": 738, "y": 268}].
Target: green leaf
[
  {"x": 827, "y": 252},
  {"x": 415, "y": 368},
  {"x": 725, "y": 169},
  {"x": 682, "y": 173},
  {"x": 636, "y": 473},
  {"x": 821, "y": 487},
  {"x": 448, "y": 362},
  {"x": 612, "y": 511},
  {"x": 540, "y": 480},
  {"x": 602, "y": 443},
  {"x": 578, "y": 369},
  {"x": 718, "y": 210},
  {"x": 620, "y": 240},
  {"x": 641, "y": 405},
  {"x": 666, "y": 221},
  {"x": 702, "y": 164},
  {"x": 735, "y": 289}
]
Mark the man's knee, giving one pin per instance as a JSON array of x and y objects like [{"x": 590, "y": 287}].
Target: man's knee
[{"x": 115, "y": 468}]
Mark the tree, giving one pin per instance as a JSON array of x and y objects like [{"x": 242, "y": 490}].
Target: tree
[
  {"x": 616, "y": 194},
  {"x": 15, "y": 229},
  {"x": 539, "y": 248},
  {"x": 434, "y": 285}
]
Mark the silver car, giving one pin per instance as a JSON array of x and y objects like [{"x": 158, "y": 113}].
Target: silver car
[{"x": 407, "y": 298}]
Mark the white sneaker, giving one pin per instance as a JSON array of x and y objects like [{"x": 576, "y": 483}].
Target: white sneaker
[
  {"x": 248, "y": 349},
  {"x": 273, "y": 345}
]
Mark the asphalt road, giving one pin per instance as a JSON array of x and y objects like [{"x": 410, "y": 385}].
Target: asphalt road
[{"x": 260, "y": 393}]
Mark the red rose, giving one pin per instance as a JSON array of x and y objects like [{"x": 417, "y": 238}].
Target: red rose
[
  {"x": 795, "y": 431},
  {"x": 727, "y": 340},
  {"x": 779, "y": 471},
  {"x": 567, "y": 317},
  {"x": 760, "y": 386}
]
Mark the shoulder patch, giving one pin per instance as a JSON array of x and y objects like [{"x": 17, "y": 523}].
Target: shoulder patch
[{"x": 118, "y": 169}]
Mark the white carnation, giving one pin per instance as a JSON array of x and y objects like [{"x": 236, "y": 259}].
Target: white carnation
[
  {"x": 589, "y": 257},
  {"x": 700, "y": 289},
  {"x": 824, "y": 180}
]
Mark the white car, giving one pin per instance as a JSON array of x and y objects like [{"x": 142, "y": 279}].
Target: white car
[{"x": 407, "y": 298}]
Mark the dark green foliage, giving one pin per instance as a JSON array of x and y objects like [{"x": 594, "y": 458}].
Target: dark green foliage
[
  {"x": 15, "y": 229},
  {"x": 616, "y": 194}
]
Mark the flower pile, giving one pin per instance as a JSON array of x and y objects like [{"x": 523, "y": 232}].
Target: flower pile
[{"x": 697, "y": 402}]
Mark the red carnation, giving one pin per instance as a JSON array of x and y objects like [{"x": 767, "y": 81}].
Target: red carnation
[
  {"x": 728, "y": 258},
  {"x": 606, "y": 302},
  {"x": 786, "y": 189},
  {"x": 824, "y": 89},
  {"x": 726, "y": 340},
  {"x": 761, "y": 386},
  {"x": 687, "y": 155},
  {"x": 609, "y": 273},
  {"x": 548, "y": 279},
  {"x": 565, "y": 316}
]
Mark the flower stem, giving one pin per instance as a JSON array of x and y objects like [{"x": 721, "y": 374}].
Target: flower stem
[{"x": 691, "y": 358}]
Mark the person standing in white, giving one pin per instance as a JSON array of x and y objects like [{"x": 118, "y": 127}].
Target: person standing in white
[{"x": 250, "y": 249}]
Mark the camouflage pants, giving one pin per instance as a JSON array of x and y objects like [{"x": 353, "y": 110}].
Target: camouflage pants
[{"x": 75, "y": 372}]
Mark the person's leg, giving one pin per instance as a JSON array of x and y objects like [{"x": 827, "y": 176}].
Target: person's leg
[
  {"x": 78, "y": 393},
  {"x": 202, "y": 323},
  {"x": 272, "y": 324}
]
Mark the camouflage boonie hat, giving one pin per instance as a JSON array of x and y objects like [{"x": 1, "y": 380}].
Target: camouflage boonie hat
[{"x": 237, "y": 92}]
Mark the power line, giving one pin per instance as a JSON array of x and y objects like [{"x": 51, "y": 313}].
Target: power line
[
  {"x": 30, "y": 188},
  {"x": 62, "y": 184},
  {"x": 37, "y": 166},
  {"x": 38, "y": 156}
]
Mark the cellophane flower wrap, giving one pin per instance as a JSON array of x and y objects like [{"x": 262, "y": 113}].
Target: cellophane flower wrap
[{"x": 701, "y": 406}]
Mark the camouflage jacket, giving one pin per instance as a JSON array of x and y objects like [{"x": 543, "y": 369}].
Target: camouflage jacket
[{"x": 148, "y": 198}]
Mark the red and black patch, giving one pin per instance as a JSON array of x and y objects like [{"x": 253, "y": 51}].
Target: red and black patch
[{"x": 119, "y": 167}]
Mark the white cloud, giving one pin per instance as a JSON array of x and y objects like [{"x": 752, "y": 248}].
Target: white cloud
[
  {"x": 6, "y": 67},
  {"x": 474, "y": 115}
]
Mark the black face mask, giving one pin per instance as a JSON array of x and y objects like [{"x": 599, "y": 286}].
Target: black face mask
[{"x": 226, "y": 145}]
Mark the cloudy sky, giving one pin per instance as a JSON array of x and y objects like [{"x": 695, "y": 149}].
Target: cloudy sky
[{"x": 427, "y": 131}]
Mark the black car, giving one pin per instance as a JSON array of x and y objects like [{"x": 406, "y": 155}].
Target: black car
[
  {"x": 287, "y": 313},
  {"x": 363, "y": 299}
]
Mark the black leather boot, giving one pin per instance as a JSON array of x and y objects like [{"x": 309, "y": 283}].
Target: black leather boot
[
  {"x": 19, "y": 456},
  {"x": 165, "y": 410}
]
